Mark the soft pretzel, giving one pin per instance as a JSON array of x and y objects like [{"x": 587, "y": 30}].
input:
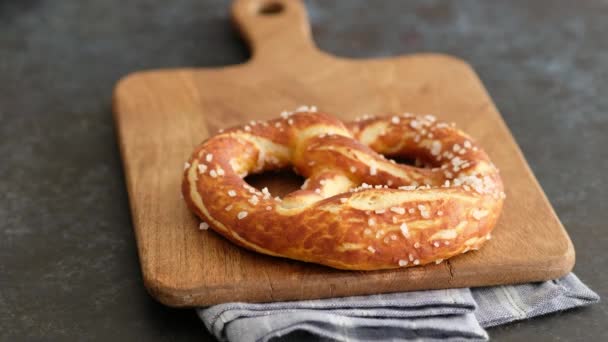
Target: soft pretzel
[{"x": 357, "y": 209}]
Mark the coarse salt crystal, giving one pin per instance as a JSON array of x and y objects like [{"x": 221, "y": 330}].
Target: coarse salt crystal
[
  {"x": 430, "y": 118},
  {"x": 435, "y": 148},
  {"x": 241, "y": 215},
  {"x": 479, "y": 214},
  {"x": 404, "y": 230},
  {"x": 203, "y": 226}
]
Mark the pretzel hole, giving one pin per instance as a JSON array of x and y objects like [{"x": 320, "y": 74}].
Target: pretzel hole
[
  {"x": 403, "y": 160},
  {"x": 270, "y": 8},
  {"x": 411, "y": 161},
  {"x": 279, "y": 183}
]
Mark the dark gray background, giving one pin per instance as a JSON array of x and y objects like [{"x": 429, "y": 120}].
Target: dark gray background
[{"x": 68, "y": 262}]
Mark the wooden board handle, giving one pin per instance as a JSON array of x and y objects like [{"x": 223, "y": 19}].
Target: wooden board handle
[{"x": 274, "y": 29}]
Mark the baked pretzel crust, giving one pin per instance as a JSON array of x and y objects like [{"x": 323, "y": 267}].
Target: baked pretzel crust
[{"x": 357, "y": 209}]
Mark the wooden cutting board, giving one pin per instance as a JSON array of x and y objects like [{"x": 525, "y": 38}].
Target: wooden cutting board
[{"x": 162, "y": 114}]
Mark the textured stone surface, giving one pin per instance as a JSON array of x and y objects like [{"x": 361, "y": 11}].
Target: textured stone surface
[{"x": 68, "y": 263}]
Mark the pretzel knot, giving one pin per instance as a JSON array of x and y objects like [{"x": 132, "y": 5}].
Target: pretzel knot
[{"x": 357, "y": 209}]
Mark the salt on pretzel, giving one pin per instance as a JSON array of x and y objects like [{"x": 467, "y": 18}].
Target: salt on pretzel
[{"x": 357, "y": 209}]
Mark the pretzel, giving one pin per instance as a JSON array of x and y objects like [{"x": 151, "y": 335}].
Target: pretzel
[{"x": 357, "y": 209}]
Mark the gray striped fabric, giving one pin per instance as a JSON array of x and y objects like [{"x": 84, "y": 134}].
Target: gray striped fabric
[{"x": 438, "y": 315}]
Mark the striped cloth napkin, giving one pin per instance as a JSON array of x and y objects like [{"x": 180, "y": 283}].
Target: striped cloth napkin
[{"x": 437, "y": 315}]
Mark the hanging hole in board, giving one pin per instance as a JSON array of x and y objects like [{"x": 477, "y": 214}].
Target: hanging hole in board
[{"x": 270, "y": 8}]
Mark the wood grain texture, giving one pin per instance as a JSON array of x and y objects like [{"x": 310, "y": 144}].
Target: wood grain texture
[{"x": 162, "y": 115}]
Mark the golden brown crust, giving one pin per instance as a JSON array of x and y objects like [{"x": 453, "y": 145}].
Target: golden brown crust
[{"x": 357, "y": 210}]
